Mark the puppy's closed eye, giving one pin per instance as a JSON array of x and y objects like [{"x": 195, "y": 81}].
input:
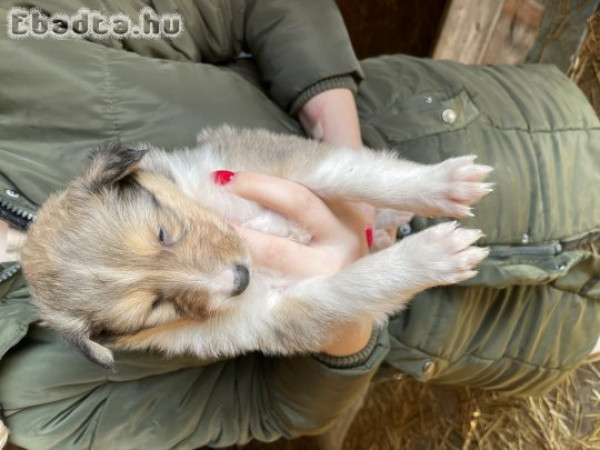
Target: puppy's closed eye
[
  {"x": 163, "y": 300},
  {"x": 158, "y": 301},
  {"x": 163, "y": 237}
]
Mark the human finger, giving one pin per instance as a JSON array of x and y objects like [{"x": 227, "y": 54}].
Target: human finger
[
  {"x": 288, "y": 198},
  {"x": 283, "y": 255}
]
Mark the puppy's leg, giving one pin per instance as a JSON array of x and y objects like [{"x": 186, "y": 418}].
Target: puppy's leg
[
  {"x": 381, "y": 284},
  {"x": 305, "y": 316},
  {"x": 382, "y": 179},
  {"x": 308, "y": 314}
]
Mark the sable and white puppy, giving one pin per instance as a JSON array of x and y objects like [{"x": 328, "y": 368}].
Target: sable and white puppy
[{"x": 139, "y": 252}]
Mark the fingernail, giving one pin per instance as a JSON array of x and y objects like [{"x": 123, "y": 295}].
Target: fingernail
[
  {"x": 222, "y": 177},
  {"x": 369, "y": 236}
]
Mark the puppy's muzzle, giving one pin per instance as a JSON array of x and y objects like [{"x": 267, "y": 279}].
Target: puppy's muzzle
[{"x": 241, "y": 279}]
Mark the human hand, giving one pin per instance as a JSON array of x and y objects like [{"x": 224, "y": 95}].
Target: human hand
[
  {"x": 337, "y": 240},
  {"x": 336, "y": 237}
]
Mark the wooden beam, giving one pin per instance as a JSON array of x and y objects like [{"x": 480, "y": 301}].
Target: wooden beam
[
  {"x": 515, "y": 32},
  {"x": 467, "y": 30},
  {"x": 586, "y": 67},
  {"x": 562, "y": 32}
]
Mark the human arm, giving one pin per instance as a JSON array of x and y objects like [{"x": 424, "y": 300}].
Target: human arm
[
  {"x": 54, "y": 398},
  {"x": 312, "y": 73},
  {"x": 301, "y": 48},
  {"x": 331, "y": 116}
]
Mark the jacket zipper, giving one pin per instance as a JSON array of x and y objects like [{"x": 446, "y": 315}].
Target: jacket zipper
[
  {"x": 20, "y": 218},
  {"x": 15, "y": 215},
  {"x": 9, "y": 273},
  {"x": 552, "y": 249},
  {"x": 532, "y": 251}
]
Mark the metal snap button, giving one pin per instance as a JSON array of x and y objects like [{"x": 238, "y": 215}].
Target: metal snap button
[
  {"x": 428, "y": 368},
  {"x": 525, "y": 239},
  {"x": 11, "y": 193},
  {"x": 449, "y": 116},
  {"x": 404, "y": 230}
]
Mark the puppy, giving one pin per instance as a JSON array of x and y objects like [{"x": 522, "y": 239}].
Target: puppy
[{"x": 139, "y": 252}]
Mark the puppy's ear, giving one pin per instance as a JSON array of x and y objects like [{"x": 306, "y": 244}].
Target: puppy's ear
[
  {"x": 92, "y": 350},
  {"x": 110, "y": 165}
]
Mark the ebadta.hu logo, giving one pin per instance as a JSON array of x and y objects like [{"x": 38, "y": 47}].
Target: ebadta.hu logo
[{"x": 34, "y": 23}]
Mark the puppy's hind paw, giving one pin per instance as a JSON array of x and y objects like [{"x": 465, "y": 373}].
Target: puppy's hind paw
[{"x": 444, "y": 254}]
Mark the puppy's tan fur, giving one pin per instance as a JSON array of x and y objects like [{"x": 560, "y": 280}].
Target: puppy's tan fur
[{"x": 139, "y": 252}]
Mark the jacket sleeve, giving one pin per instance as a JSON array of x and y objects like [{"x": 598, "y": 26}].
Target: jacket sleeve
[
  {"x": 54, "y": 398},
  {"x": 298, "y": 45},
  {"x": 301, "y": 47}
]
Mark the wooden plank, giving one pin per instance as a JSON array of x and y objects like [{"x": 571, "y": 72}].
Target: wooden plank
[
  {"x": 515, "y": 32},
  {"x": 586, "y": 68},
  {"x": 467, "y": 30},
  {"x": 562, "y": 32}
]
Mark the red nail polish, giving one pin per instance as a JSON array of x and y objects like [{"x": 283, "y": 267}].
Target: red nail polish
[
  {"x": 222, "y": 177},
  {"x": 369, "y": 236}
]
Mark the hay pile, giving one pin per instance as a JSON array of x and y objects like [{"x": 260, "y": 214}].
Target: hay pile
[
  {"x": 422, "y": 417},
  {"x": 401, "y": 414}
]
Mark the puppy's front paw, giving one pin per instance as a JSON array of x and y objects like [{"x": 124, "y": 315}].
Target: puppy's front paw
[
  {"x": 452, "y": 186},
  {"x": 443, "y": 254}
]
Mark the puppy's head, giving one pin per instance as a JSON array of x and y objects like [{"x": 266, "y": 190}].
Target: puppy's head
[{"x": 123, "y": 250}]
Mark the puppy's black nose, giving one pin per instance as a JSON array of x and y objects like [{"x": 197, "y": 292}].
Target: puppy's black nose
[{"x": 241, "y": 279}]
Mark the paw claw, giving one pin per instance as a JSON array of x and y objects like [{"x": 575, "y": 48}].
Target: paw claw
[
  {"x": 455, "y": 184},
  {"x": 445, "y": 254}
]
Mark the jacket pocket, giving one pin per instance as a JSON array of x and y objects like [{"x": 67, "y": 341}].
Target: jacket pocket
[
  {"x": 15, "y": 319},
  {"x": 427, "y": 113},
  {"x": 16, "y": 311}
]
